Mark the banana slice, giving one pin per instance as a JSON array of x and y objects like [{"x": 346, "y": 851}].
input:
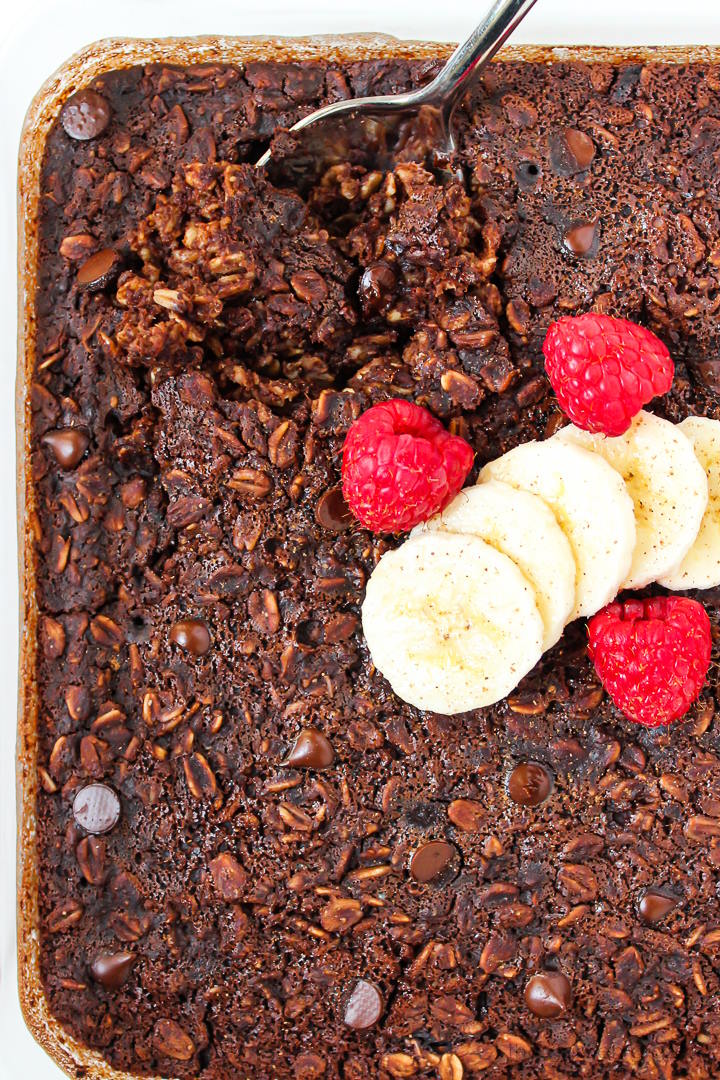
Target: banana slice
[
  {"x": 591, "y": 503},
  {"x": 450, "y": 622},
  {"x": 667, "y": 485},
  {"x": 700, "y": 569},
  {"x": 525, "y": 529}
]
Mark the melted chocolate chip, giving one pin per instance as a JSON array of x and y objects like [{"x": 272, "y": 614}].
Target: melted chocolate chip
[
  {"x": 332, "y": 512},
  {"x": 364, "y": 1007},
  {"x": 432, "y": 860},
  {"x": 311, "y": 750},
  {"x": 68, "y": 446},
  {"x": 112, "y": 969},
  {"x": 85, "y": 115},
  {"x": 655, "y": 905},
  {"x": 191, "y": 635},
  {"x": 99, "y": 270},
  {"x": 377, "y": 286},
  {"x": 96, "y": 808},
  {"x": 571, "y": 151},
  {"x": 548, "y": 995},
  {"x": 580, "y": 238},
  {"x": 529, "y": 784}
]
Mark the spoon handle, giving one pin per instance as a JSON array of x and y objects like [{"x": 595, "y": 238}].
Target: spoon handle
[{"x": 450, "y": 85}]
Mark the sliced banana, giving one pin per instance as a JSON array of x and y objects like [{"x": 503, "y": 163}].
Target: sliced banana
[
  {"x": 667, "y": 485},
  {"x": 524, "y": 528},
  {"x": 592, "y": 506},
  {"x": 451, "y": 622},
  {"x": 700, "y": 569}
]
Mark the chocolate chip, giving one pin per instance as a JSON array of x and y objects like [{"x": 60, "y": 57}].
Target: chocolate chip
[
  {"x": 311, "y": 750},
  {"x": 68, "y": 445},
  {"x": 432, "y": 860},
  {"x": 709, "y": 371},
  {"x": 191, "y": 635},
  {"x": 99, "y": 270},
  {"x": 364, "y": 1007},
  {"x": 112, "y": 969},
  {"x": 96, "y": 808},
  {"x": 377, "y": 286},
  {"x": 85, "y": 115},
  {"x": 529, "y": 784},
  {"x": 655, "y": 905},
  {"x": 548, "y": 995},
  {"x": 580, "y": 238},
  {"x": 332, "y": 512},
  {"x": 571, "y": 151}
]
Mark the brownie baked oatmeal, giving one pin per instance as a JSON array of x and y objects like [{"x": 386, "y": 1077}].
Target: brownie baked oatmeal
[{"x": 257, "y": 860}]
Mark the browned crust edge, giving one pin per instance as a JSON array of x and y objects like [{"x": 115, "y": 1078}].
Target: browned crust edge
[{"x": 73, "y": 1057}]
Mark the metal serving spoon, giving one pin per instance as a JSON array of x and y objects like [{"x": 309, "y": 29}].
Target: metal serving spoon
[{"x": 381, "y": 130}]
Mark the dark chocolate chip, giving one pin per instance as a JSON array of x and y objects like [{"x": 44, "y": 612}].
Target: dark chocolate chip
[
  {"x": 68, "y": 445},
  {"x": 709, "y": 371},
  {"x": 112, "y": 969},
  {"x": 332, "y": 512},
  {"x": 99, "y": 270},
  {"x": 529, "y": 784},
  {"x": 85, "y": 115},
  {"x": 364, "y": 1007},
  {"x": 311, "y": 750},
  {"x": 548, "y": 995},
  {"x": 96, "y": 808},
  {"x": 655, "y": 905},
  {"x": 191, "y": 635},
  {"x": 571, "y": 151},
  {"x": 580, "y": 238},
  {"x": 377, "y": 286},
  {"x": 432, "y": 860}
]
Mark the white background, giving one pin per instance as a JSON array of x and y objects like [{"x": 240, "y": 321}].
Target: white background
[{"x": 35, "y": 37}]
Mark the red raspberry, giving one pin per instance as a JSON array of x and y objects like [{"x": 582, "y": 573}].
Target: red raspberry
[
  {"x": 400, "y": 466},
  {"x": 652, "y": 656},
  {"x": 604, "y": 370}
]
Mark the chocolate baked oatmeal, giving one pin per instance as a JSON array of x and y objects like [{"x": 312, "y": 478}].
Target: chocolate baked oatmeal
[{"x": 255, "y": 860}]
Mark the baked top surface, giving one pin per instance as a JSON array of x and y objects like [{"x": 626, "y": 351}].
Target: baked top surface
[{"x": 214, "y": 381}]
